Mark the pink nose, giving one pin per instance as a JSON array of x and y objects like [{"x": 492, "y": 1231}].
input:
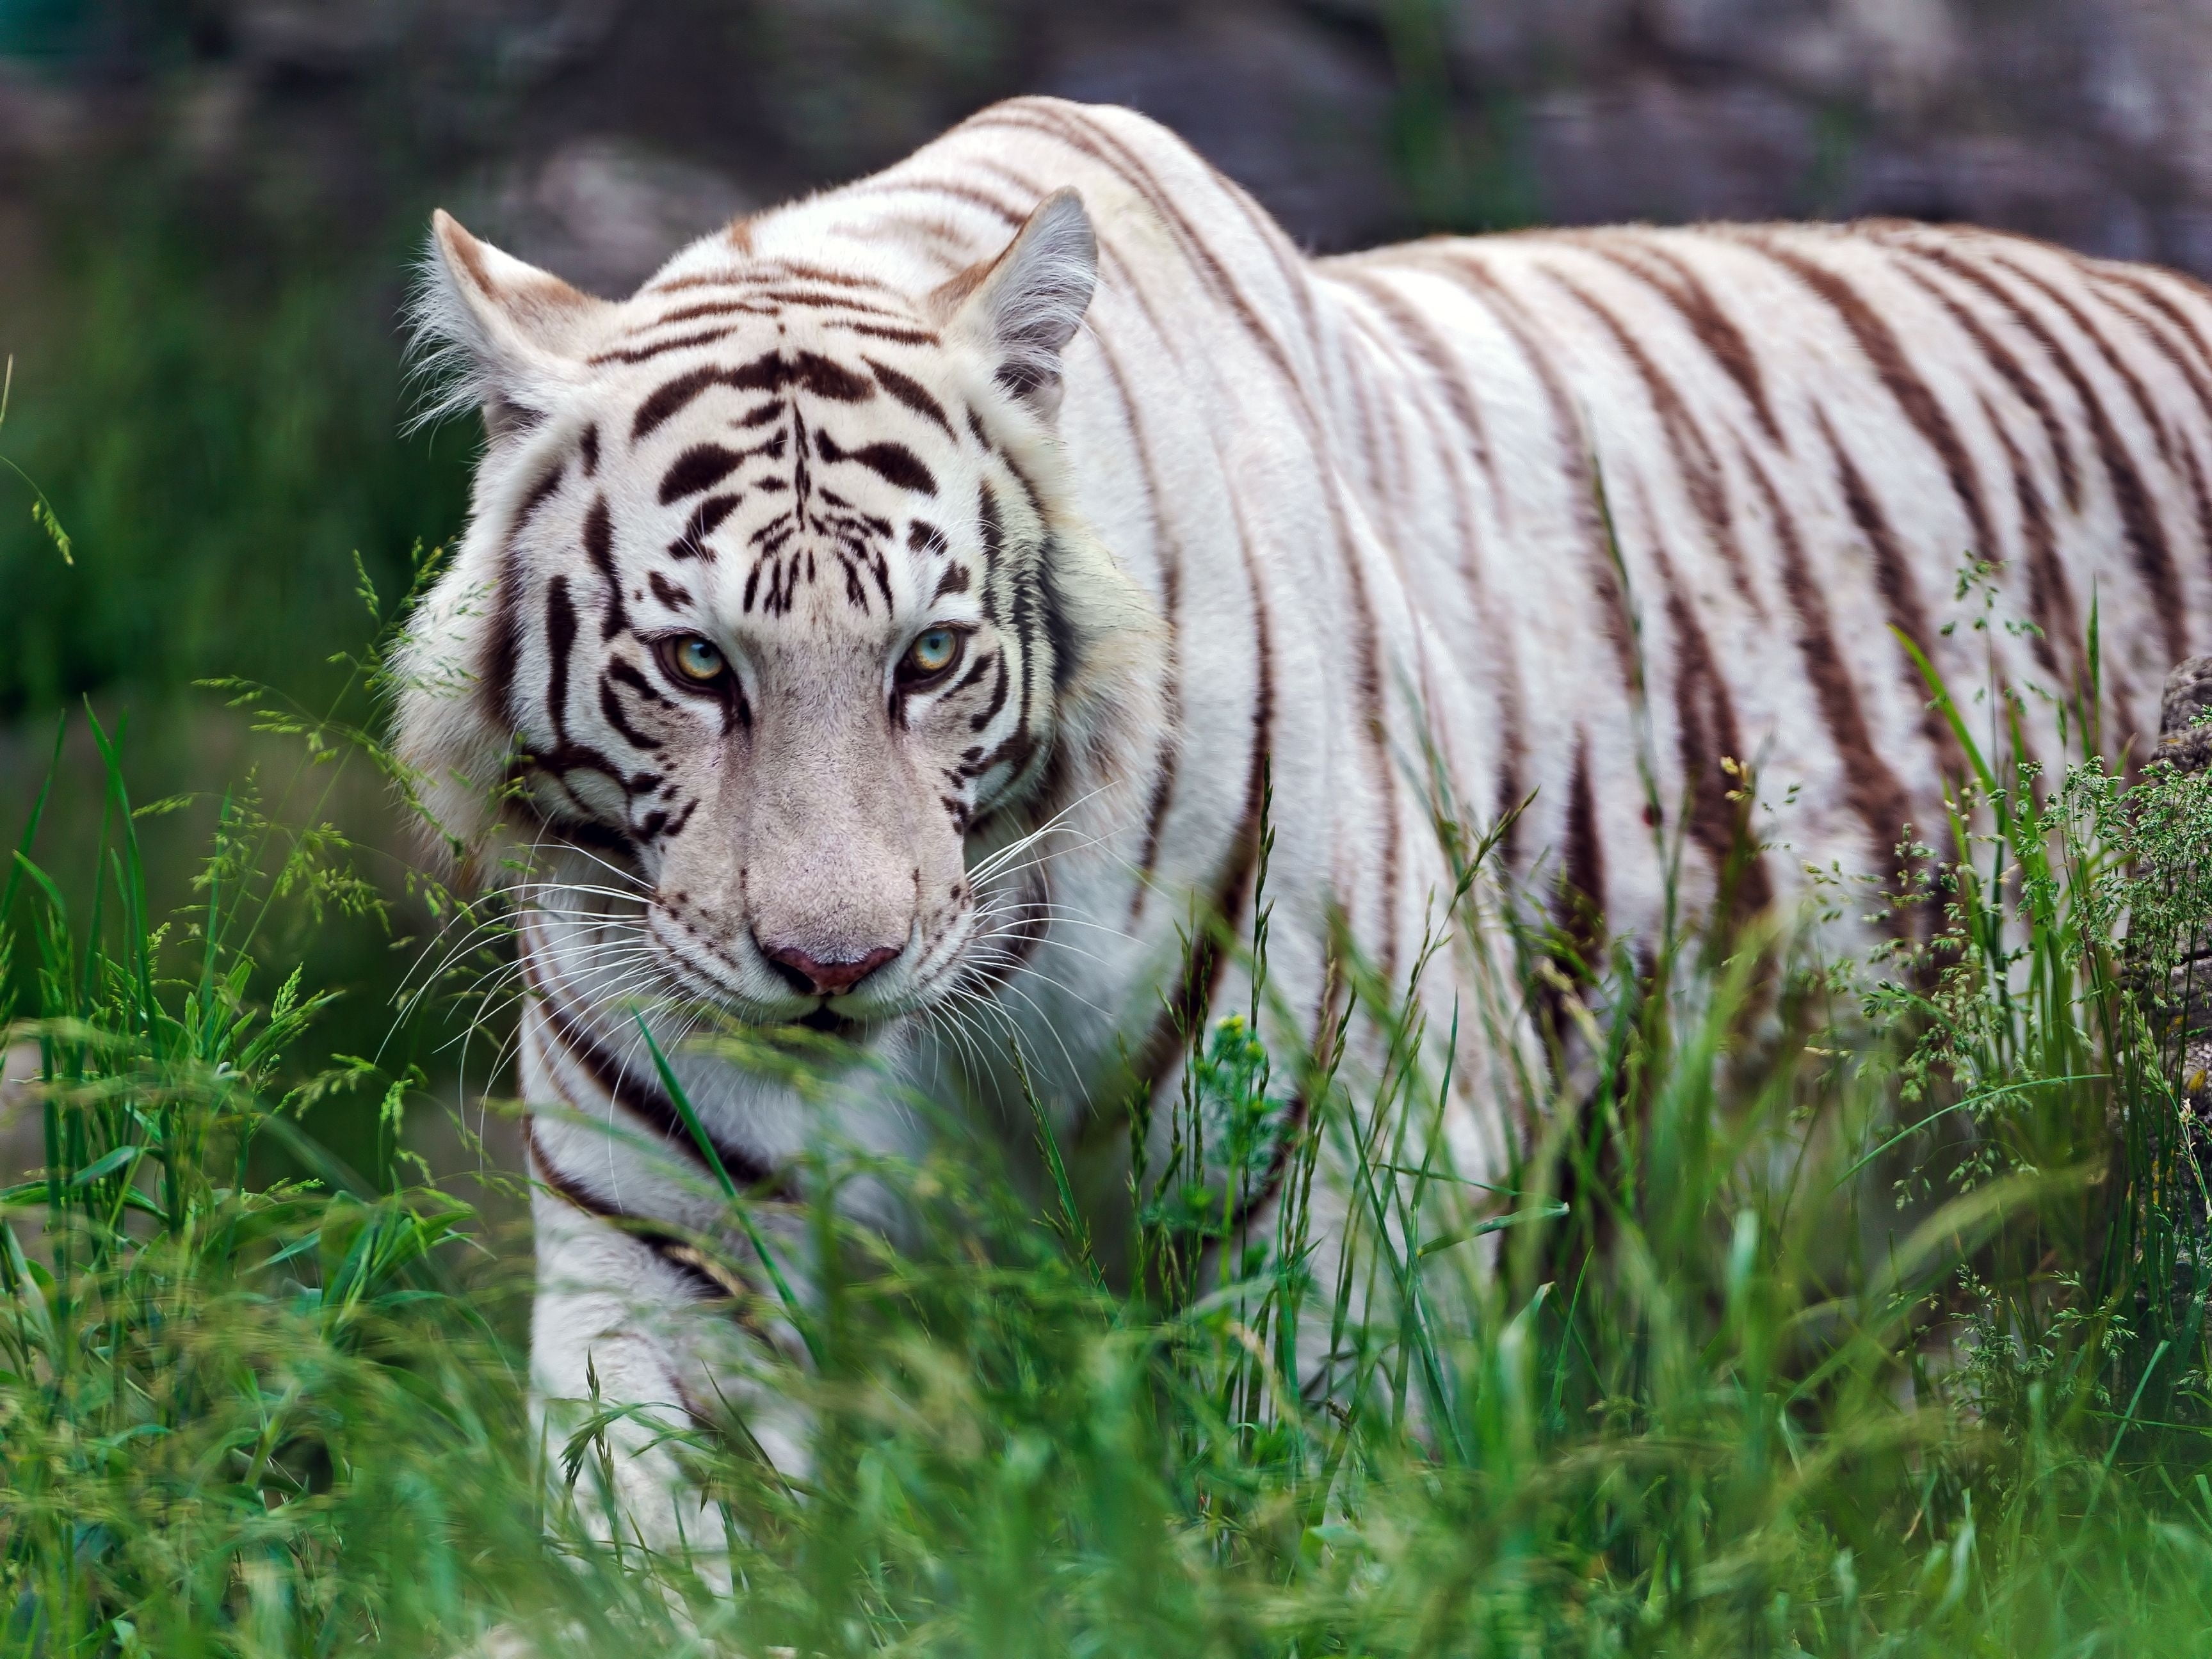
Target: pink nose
[{"x": 812, "y": 977}]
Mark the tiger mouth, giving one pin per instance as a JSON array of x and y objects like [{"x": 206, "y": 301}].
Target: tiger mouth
[{"x": 828, "y": 1020}]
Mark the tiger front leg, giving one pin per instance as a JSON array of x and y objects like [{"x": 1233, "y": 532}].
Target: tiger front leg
[{"x": 644, "y": 1367}]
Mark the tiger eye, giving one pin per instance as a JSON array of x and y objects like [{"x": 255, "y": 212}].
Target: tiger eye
[
  {"x": 697, "y": 659},
  {"x": 930, "y": 655}
]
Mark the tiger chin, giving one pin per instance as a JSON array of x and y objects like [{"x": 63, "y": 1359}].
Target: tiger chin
[{"x": 920, "y": 612}]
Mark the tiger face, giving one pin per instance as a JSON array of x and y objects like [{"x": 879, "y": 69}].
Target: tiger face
[{"x": 768, "y": 597}]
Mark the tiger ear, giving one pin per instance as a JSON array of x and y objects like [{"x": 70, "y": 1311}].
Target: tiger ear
[
  {"x": 1022, "y": 308},
  {"x": 495, "y": 334}
]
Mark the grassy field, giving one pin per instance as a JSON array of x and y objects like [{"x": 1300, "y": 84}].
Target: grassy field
[
  {"x": 1841, "y": 1308},
  {"x": 1846, "y": 1308}
]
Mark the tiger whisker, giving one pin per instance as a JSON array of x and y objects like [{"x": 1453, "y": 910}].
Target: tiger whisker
[
  {"x": 1067, "y": 917},
  {"x": 970, "y": 1055},
  {"x": 584, "y": 852},
  {"x": 1038, "y": 939},
  {"x": 989, "y": 866},
  {"x": 467, "y": 943},
  {"x": 1074, "y": 1072},
  {"x": 1038, "y": 973}
]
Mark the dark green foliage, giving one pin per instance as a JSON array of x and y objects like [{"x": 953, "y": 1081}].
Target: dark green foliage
[
  {"x": 1461, "y": 158},
  {"x": 217, "y": 431}
]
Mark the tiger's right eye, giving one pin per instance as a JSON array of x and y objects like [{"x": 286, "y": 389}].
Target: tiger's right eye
[{"x": 697, "y": 659}]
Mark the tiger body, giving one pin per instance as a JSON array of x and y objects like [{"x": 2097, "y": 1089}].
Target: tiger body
[{"x": 1334, "y": 524}]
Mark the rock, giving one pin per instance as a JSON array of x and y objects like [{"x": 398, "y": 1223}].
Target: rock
[
  {"x": 2180, "y": 1010},
  {"x": 22, "y": 1126},
  {"x": 41, "y": 120},
  {"x": 607, "y": 132},
  {"x": 2182, "y": 706},
  {"x": 1647, "y": 148},
  {"x": 604, "y": 212},
  {"x": 311, "y": 39},
  {"x": 1281, "y": 106},
  {"x": 19, "y": 1065}
]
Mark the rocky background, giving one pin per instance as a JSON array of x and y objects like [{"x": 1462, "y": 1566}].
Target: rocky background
[
  {"x": 599, "y": 128},
  {"x": 208, "y": 209}
]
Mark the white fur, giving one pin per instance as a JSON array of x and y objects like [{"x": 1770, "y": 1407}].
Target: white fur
[{"x": 1346, "y": 510}]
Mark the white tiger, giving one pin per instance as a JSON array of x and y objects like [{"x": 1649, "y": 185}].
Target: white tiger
[{"x": 1039, "y": 482}]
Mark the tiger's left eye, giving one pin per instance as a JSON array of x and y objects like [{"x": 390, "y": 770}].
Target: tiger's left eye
[
  {"x": 931, "y": 656},
  {"x": 697, "y": 659}
]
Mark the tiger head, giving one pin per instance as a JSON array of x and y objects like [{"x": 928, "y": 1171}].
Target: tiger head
[{"x": 771, "y": 594}]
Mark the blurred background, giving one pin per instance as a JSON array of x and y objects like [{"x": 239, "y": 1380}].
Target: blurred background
[{"x": 208, "y": 209}]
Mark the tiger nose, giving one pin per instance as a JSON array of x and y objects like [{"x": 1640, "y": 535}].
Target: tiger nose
[{"x": 812, "y": 977}]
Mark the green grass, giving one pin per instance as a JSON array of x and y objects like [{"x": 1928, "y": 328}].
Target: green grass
[{"x": 1839, "y": 1308}]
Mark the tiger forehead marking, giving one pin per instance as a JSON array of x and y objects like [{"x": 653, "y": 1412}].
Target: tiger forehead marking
[{"x": 752, "y": 453}]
